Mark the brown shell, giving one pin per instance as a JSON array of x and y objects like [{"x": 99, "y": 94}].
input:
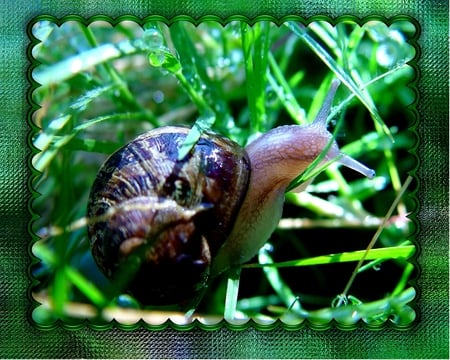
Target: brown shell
[{"x": 156, "y": 222}]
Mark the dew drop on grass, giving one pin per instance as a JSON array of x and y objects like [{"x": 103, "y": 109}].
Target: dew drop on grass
[
  {"x": 223, "y": 62},
  {"x": 386, "y": 54},
  {"x": 271, "y": 96},
  {"x": 158, "y": 96},
  {"x": 152, "y": 39},
  {"x": 156, "y": 58},
  {"x": 126, "y": 301}
]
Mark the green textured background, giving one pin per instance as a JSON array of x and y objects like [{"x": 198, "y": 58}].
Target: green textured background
[{"x": 429, "y": 338}]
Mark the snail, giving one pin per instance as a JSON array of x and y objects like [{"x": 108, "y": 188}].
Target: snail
[{"x": 187, "y": 221}]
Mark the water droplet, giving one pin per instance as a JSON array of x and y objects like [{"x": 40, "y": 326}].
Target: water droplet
[
  {"x": 126, "y": 301},
  {"x": 236, "y": 56},
  {"x": 158, "y": 96},
  {"x": 156, "y": 58},
  {"x": 377, "y": 267},
  {"x": 339, "y": 300},
  {"x": 386, "y": 54},
  {"x": 152, "y": 39},
  {"x": 271, "y": 96},
  {"x": 223, "y": 62},
  {"x": 288, "y": 97},
  {"x": 268, "y": 247},
  {"x": 396, "y": 36},
  {"x": 404, "y": 316},
  {"x": 215, "y": 33}
]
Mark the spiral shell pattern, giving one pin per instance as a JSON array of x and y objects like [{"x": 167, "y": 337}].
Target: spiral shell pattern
[{"x": 162, "y": 217}]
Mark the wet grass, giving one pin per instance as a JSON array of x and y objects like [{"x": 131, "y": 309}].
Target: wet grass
[{"x": 102, "y": 85}]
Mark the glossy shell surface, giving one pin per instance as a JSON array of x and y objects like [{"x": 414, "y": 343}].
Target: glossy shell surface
[{"x": 160, "y": 220}]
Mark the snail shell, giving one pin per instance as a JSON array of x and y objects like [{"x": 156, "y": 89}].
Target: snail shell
[{"x": 177, "y": 212}]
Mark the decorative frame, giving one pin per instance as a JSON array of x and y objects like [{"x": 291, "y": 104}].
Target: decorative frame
[{"x": 396, "y": 350}]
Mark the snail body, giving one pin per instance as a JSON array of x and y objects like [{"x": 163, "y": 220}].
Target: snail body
[{"x": 191, "y": 219}]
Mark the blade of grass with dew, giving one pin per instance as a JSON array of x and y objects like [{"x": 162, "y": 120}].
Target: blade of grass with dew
[
  {"x": 52, "y": 144},
  {"x": 284, "y": 92},
  {"x": 388, "y": 157},
  {"x": 207, "y": 118},
  {"x": 344, "y": 52},
  {"x": 396, "y": 252},
  {"x": 56, "y": 125},
  {"x": 391, "y": 72},
  {"x": 378, "y": 310},
  {"x": 46, "y": 139},
  {"x": 375, "y": 311},
  {"x": 124, "y": 94},
  {"x": 300, "y": 30},
  {"x": 255, "y": 72},
  {"x": 380, "y": 143},
  {"x": 169, "y": 62},
  {"x": 371, "y": 264},
  {"x": 69, "y": 67},
  {"x": 196, "y": 65},
  {"x": 376, "y": 235},
  {"x": 260, "y": 66}
]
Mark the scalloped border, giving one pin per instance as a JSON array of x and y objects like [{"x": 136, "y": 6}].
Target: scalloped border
[{"x": 77, "y": 324}]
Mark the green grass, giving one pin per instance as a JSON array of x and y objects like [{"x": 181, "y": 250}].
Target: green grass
[{"x": 102, "y": 85}]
